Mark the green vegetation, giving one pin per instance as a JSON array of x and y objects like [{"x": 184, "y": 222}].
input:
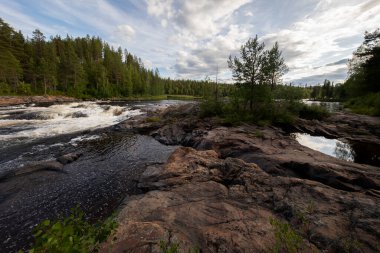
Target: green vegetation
[
  {"x": 167, "y": 247},
  {"x": 257, "y": 95},
  {"x": 361, "y": 91},
  {"x": 286, "y": 239},
  {"x": 351, "y": 245},
  {"x": 89, "y": 68},
  {"x": 82, "y": 67},
  {"x": 152, "y": 119},
  {"x": 72, "y": 234},
  {"x": 174, "y": 247},
  {"x": 313, "y": 112},
  {"x": 368, "y": 104}
]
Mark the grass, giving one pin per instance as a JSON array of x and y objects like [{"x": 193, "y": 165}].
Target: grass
[
  {"x": 286, "y": 239},
  {"x": 174, "y": 247}
]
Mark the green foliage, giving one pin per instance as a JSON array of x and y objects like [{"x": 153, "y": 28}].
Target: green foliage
[
  {"x": 174, "y": 247},
  {"x": 167, "y": 247},
  {"x": 286, "y": 239},
  {"x": 24, "y": 89},
  {"x": 211, "y": 107},
  {"x": 71, "y": 234},
  {"x": 5, "y": 89},
  {"x": 256, "y": 72},
  {"x": 85, "y": 67},
  {"x": 290, "y": 93},
  {"x": 152, "y": 119},
  {"x": 351, "y": 245},
  {"x": 313, "y": 112},
  {"x": 369, "y": 104}
]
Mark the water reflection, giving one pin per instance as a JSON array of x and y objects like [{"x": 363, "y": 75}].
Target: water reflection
[
  {"x": 331, "y": 147},
  {"x": 330, "y": 106}
]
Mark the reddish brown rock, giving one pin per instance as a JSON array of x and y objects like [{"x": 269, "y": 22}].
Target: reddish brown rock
[
  {"x": 225, "y": 205},
  {"x": 221, "y": 195}
]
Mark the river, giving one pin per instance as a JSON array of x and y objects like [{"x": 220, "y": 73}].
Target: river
[{"x": 110, "y": 162}]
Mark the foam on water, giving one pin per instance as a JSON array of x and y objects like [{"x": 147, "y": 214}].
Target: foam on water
[{"x": 59, "y": 119}]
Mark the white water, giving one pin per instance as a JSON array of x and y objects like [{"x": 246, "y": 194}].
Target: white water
[{"x": 58, "y": 119}]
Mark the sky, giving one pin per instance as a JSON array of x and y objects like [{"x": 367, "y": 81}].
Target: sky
[{"x": 193, "y": 39}]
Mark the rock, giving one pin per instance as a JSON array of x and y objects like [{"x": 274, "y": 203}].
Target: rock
[
  {"x": 79, "y": 115},
  {"x": 17, "y": 100},
  {"x": 224, "y": 205},
  {"x": 170, "y": 134},
  {"x": 68, "y": 158},
  {"x": 221, "y": 195},
  {"x": 30, "y": 116},
  {"x": 361, "y": 131},
  {"x": 279, "y": 154},
  {"x": 32, "y": 168}
]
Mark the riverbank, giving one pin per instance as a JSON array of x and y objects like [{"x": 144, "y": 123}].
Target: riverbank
[
  {"x": 221, "y": 190},
  {"x": 18, "y": 100}
]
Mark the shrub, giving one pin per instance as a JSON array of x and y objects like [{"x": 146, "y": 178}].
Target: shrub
[
  {"x": 72, "y": 234},
  {"x": 24, "y": 89},
  {"x": 167, "y": 247},
  {"x": 369, "y": 104},
  {"x": 152, "y": 119},
  {"x": 174, "y": 247},
  {"x": 211, "y": 107},
  {"x": 5, "y": 89},
  {"x": 287, "y": 240},
  {"x": 313, "y": 112}
]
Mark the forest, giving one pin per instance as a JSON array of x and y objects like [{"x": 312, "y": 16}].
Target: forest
[
  {"x": 82, "y": 67},
  {"x": 89, "y": 67}
]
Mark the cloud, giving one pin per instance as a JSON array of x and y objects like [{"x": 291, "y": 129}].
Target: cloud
[
  {"x": 329, "y": 33},
  {"x": 126, "y": 31},
  {"x": 248, "y": 14},
  {"x": 190, "y": 39},
  {"x": 203, "y": 31}
]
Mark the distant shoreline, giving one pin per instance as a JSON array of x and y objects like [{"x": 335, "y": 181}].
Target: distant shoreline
[{"x": 18, "y": 100}]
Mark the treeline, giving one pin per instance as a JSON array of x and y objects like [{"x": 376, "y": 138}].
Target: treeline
[
  {"x": 81, "y": 67},
  {"x": 259, "y": 95},
  {"x": 361, "y": 90},
  {"x": 328, "y": 91}
]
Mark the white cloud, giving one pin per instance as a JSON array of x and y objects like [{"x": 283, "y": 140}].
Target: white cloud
[
  {"x": 125, "y": 31},
  {"x": 315, "y": 40},
  {"x": 248, "y": 14},
  {"x": 203, "y": 33},
  {"x": 190, "y": 38}
]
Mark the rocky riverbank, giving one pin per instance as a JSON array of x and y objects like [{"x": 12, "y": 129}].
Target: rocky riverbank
[
  {"x": 17, "y": 100},
  {"x": 221, "y": 189}
]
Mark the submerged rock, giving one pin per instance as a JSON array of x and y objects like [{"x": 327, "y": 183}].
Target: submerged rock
[
  {"x": 79, "y": 115},
  {"x": 68, "y": 158}
]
